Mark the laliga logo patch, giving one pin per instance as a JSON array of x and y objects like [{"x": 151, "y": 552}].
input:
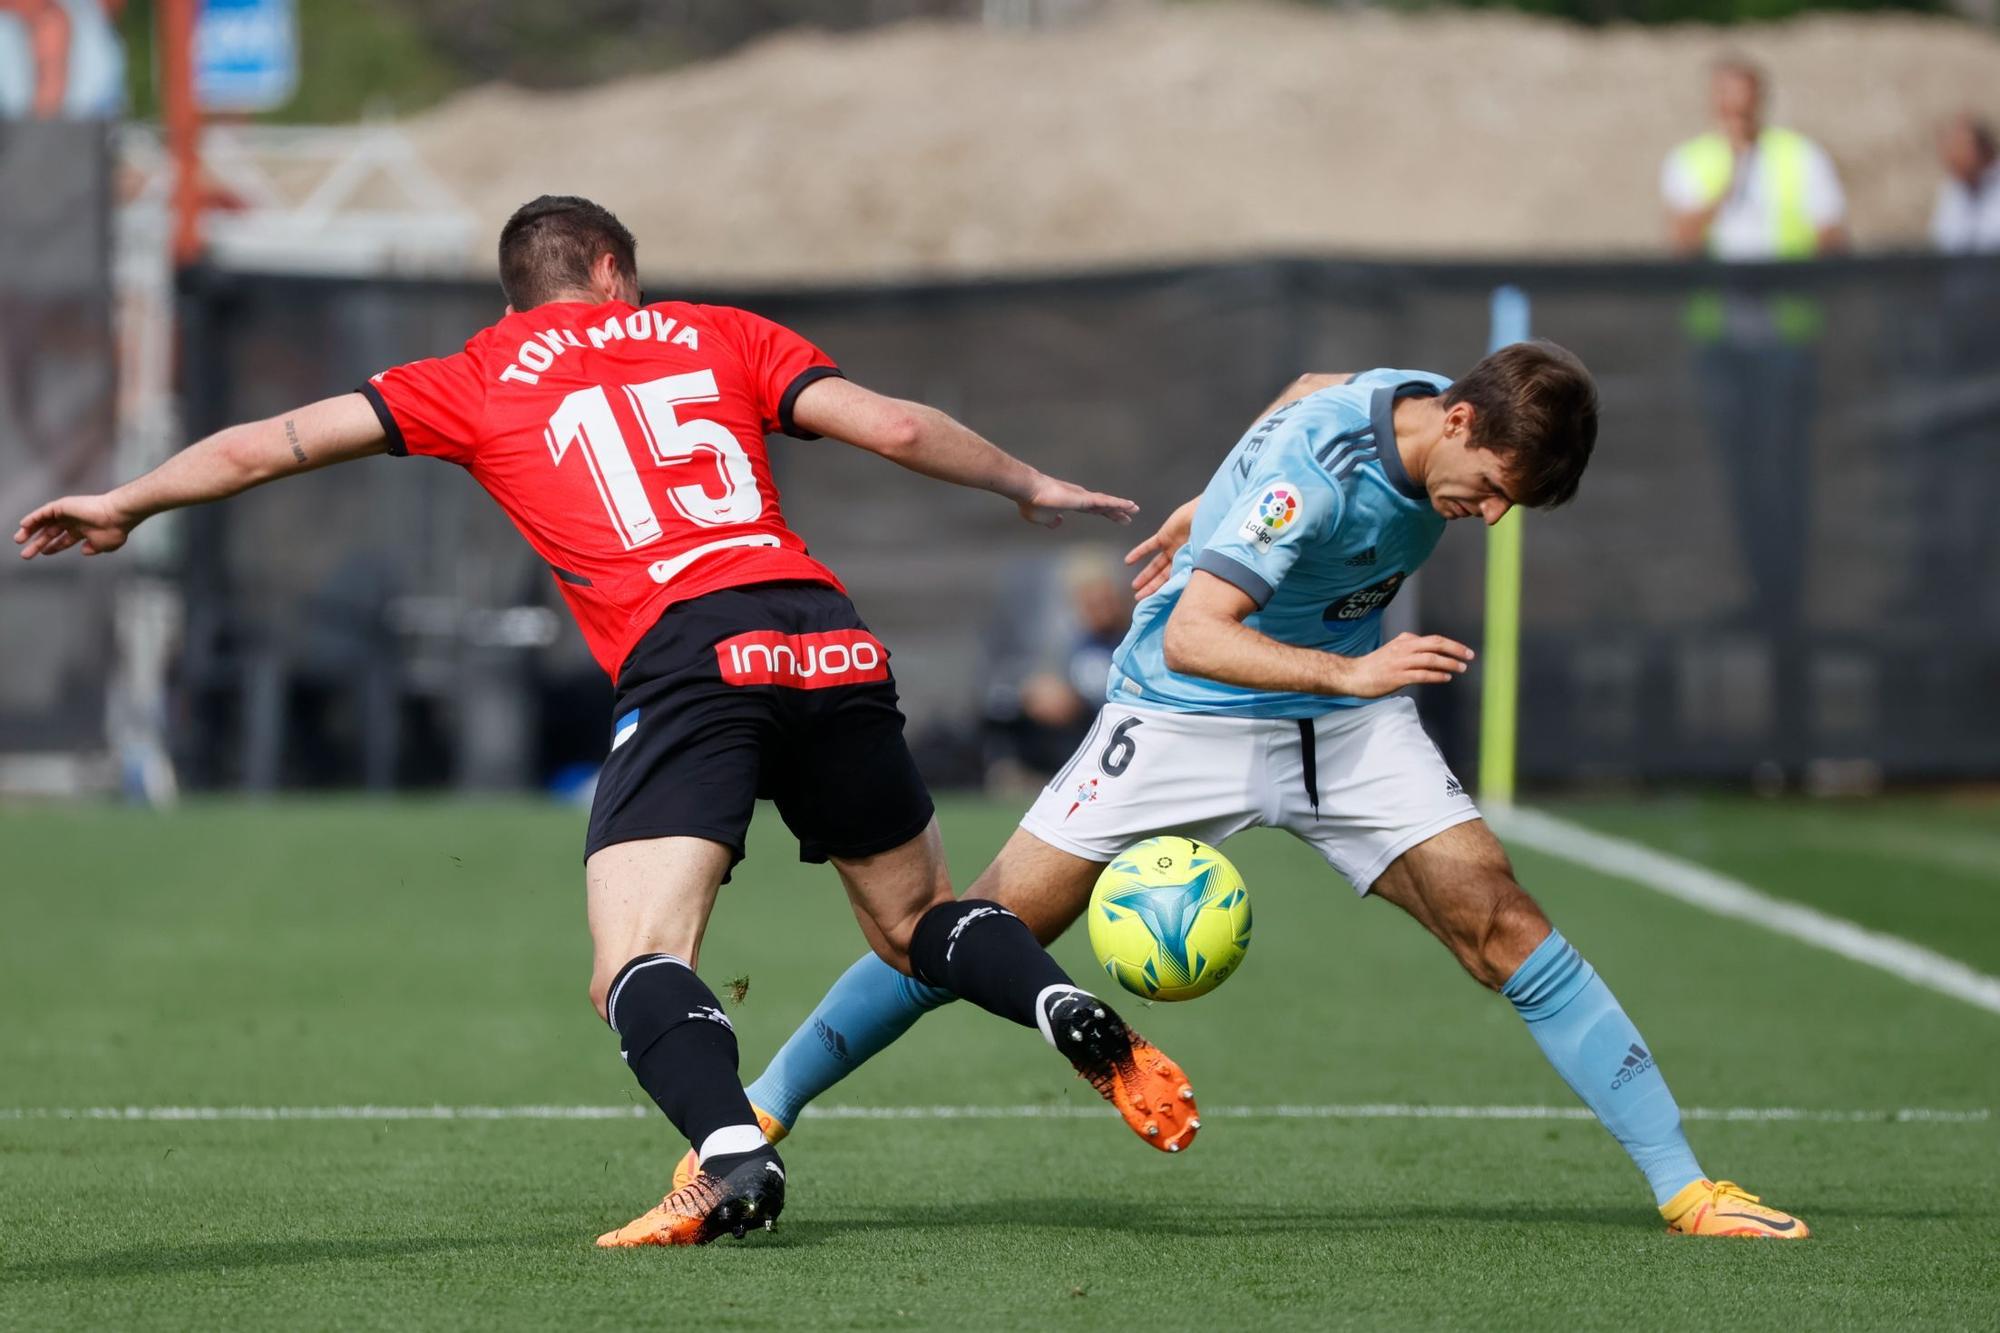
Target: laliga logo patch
[{"x": 1279, "y": 508}]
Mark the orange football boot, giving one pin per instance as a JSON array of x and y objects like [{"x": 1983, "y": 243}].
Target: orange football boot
[
  {"x": 752, "y": 1195},
  {"x": 1128, "y": 1071},
  {"x": 1724, "y": 1208}
]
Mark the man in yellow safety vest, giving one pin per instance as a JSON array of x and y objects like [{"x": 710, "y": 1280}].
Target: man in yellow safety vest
[{"x": 1748, "y": 192}]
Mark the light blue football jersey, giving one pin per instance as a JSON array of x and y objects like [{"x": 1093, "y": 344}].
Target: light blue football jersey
[{"x": 1314, "y": 516}]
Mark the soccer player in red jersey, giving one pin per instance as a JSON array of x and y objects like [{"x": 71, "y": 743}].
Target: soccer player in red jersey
[{"x": 626, "y": 442}]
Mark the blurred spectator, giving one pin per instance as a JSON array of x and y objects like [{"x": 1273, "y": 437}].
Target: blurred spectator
[
  {"x": 1746, "y": 192},
  {"x": 1047, "y": 686},
  {"x": 1967, "y": 217},
  {"x": 60, "y": 60}
]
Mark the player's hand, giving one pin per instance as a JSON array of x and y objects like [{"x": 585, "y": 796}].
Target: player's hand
[
  {"x": 1407, "y": 659},
  {"x": 1052, "y": 498},
  {"x": 91, "y": 520},
  {"x": 1157, "y": 552}
]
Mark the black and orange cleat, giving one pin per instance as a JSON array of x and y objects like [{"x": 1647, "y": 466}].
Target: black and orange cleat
[
  {"x": 748, "y": 1195},
  {"x": 685, "y": 1169},
  {"x": 1131, "y": 1073}
]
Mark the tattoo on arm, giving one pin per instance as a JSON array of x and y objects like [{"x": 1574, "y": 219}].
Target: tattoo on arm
[{"x": 292, "y": 438}]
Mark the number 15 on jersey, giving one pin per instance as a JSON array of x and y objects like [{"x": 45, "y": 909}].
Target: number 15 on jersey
[{"x": 709, "y": 478}]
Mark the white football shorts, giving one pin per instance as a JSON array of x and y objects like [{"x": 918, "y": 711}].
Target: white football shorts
[{"x": 1362, "y": 785}]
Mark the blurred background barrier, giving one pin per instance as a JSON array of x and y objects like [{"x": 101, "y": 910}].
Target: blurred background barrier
[
  {"x": 1783, "y": 568},
  {"x": 58, "y": 385},
  {"x": 1781, "y": 565}
]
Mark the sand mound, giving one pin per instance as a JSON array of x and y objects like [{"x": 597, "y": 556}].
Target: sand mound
[{"x": 1181, "y": 132}]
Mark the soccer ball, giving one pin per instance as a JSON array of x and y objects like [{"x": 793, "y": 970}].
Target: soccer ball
[{"x": 1170, "y": 919}]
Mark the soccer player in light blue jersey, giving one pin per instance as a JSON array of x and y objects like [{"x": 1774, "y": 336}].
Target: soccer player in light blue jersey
[{"x": 1255, "y": 688}]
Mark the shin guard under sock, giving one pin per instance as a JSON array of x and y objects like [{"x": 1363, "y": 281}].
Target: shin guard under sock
[
  {"x": 679, "y": 1045},
  {"x": 981, "y": 952}
]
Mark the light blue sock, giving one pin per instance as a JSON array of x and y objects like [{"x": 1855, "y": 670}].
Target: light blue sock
[
  {"x": 870, "y": 1006},
  {"x": 1574, "y": 1018}
]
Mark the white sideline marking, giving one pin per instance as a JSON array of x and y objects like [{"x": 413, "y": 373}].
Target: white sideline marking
[
  {"x": 1704, "y": 888},
  {"x": 1363, "y": 1111}
]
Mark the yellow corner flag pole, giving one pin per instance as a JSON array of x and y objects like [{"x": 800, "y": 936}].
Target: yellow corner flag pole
[{"x": 1500, "y": 655}]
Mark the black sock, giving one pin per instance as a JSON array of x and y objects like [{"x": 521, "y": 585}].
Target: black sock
[
  {"x": 679, "y": 1045},
  {"x": 980, "y": 951}
]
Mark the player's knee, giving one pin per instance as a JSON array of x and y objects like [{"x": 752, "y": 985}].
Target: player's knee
[
  {"x": 895, "y": 951},
  {"x": 895, "y": 935},
  {"x": 1509, "y": 930},
  {"x": 894, "y": 930}
]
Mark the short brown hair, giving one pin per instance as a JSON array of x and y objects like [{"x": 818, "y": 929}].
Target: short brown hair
[
  {"x": 548, "y": 246},
  {"x": 1535, "y": 405}
]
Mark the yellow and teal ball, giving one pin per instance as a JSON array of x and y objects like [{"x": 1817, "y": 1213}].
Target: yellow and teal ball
[{"x": 1170, "y": 919}]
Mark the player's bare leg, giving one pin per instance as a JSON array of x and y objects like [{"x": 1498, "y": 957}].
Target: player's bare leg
[
  {"x": 1460, "y": 886},
  {"x": 647, "y": 897},
  {"x": 1045, "y": 886},
  {"x": 892, "y": 891},
  {"x": 649, "y": 903}
]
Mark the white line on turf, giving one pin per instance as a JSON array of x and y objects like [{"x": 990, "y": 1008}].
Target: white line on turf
[
  {"x": 1717, "y": 893},
  {"x": 1361, "y": 1111}
]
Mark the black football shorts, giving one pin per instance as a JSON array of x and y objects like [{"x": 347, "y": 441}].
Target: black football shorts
[{"x": 775, "y": 690}]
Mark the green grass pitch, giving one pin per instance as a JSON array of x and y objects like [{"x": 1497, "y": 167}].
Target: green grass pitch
[{"x": 418, "y": 954}]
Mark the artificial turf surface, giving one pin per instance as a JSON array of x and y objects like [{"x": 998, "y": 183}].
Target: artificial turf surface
[{"x": 350, "y": 953}]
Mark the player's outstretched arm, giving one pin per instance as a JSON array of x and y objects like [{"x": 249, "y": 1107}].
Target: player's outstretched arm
[
  {"x": 926, "y": 440},
  {"x": 332, "y": 430},
  {"x": 1206, "y": 637}
]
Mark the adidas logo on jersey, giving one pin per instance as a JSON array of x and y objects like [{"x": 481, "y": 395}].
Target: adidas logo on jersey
[
  {"x": 1367, "y": 557},
  {"x": 1452, "y": 786}
]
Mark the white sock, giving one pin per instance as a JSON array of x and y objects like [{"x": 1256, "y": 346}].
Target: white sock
[
  {"x": 1042, "y": 1002},
  {"x": 729, "y": 1140}
]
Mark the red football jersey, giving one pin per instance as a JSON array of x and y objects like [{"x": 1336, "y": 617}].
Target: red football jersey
[{"x": 627, "y": 445}]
